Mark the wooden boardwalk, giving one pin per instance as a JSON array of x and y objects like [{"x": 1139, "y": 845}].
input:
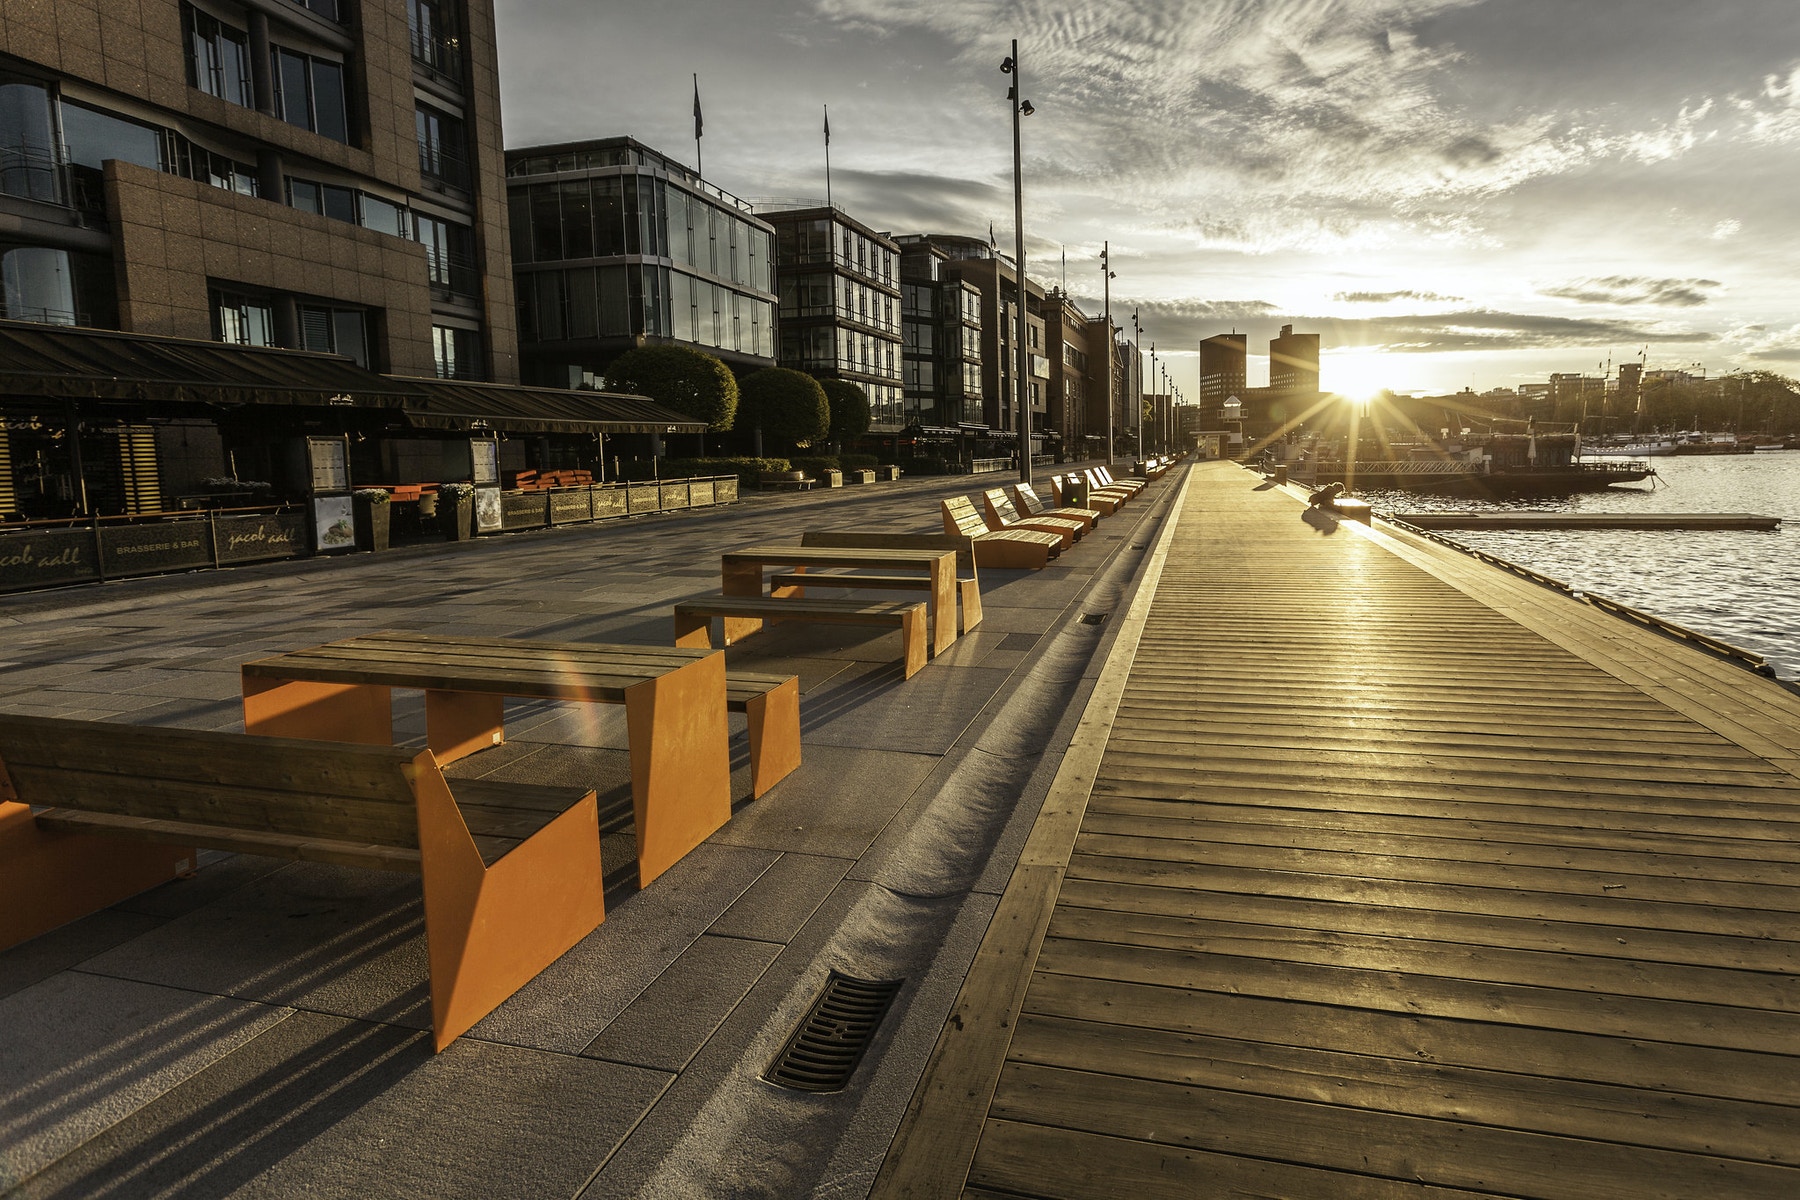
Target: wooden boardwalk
[{"x": 1377, "y": 872}]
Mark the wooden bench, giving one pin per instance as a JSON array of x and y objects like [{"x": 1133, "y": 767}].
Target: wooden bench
[
  {"x": 693, "y": 620},
  {"x": 771, "y": 708},
  {"x": 968, "y": 586},
  {"x": 1025, "y": 498},
  {"x": 1024, "y": 549},
  {"x": 793, "y": 480},
  {"x": 1101, "y": 478},
  {"x": 510, "y": 871},
  {"x": 1000, "y": 514}
]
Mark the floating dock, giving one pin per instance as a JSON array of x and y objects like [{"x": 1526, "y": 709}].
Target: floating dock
[
  {"x": 1373, "y": 871},
  {"x": 1596, "y": 520}
]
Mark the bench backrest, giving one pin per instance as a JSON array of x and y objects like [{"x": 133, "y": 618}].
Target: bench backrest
[
  {"x": 1028, "y": 499},
  {"x": 279, "y": 785},
  {"x": 962, "y": 543},
  {"x": 1000, "y": 508},
  {"x": 960, "y": 517}
]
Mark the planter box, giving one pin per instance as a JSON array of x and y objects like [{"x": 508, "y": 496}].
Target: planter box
[
  {"x": 457, "y": 518},
  {"x": 887, "y": 473},
  {"x": 831, "y": 478},
  {"x": 859, "y": 475},
  {"x": 373, "y": 521}
]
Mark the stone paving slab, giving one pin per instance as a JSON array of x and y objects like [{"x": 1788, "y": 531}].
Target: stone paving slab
[{"x": 665, "y": 1013}]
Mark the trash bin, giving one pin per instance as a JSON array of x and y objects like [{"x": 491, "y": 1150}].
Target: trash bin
[{"x": 1280, "y": 472}]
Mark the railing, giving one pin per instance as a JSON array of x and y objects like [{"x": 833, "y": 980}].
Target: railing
[
  {"x": 444, "y": 164},
  {"x": 452, "y": 273},
  {"x": 45, "y": 316},
  {"x": 33, "y": 173},
  {"x": 980, "y": 466},
  {"x": 440, "y": 55}
]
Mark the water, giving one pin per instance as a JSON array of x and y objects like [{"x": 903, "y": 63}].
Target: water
[{"x": 1741, "y": 587}]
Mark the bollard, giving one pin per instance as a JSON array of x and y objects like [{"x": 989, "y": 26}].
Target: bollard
[{"x": 1280, "y": 472}]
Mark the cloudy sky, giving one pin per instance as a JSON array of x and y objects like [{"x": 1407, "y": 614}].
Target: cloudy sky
[{"x": 1453, "y": 193}]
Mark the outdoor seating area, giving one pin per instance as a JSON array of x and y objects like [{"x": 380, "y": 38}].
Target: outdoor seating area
[{"x": 464, "y": 753}]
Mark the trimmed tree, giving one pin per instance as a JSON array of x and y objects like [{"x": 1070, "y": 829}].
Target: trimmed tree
[
  {"x": 690, "y": 381},
  {"x": 849, "y": 410},
  {"x": 789, "y": 407}
]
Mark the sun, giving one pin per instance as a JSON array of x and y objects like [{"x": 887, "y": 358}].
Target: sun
[{"x": 1355, "y": 376}]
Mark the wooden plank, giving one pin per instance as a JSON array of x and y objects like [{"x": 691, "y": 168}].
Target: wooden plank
[
  {"x": 1502, "y": 1099},
  {"x": 1721, "y": 1026},
  {"x": 1442, "y": 1153},
  {"x": 1481, "y": 962},
  {"x": 344, "y": 852},
  {"x": 1649, "y": 1065}
]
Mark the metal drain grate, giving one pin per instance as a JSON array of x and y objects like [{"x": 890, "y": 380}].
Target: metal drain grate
[
  {"x": 821, "y": 1055},
  {"x": 1094, "y": 618}
]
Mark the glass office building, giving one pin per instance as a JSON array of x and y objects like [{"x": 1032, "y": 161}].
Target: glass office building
[
  {"x": 616, "y": 246},
  {"x": 838, "y": 281}
]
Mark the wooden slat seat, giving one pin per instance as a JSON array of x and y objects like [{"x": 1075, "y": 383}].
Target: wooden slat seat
[
  {"x": 999, "y": 513},
  {"x": 511, "y": 872},
  {"x": 784, "y": 481},
  {"x": 1006, "y": 548},
  {"x": 693, "y": 619},
  {"x": 1026, "y": 500},
  {"x": 1102, "y": 477},
  {"x": 968, "y": 586}
]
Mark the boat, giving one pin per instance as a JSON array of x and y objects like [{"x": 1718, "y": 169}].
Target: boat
[
  {"x": 1630, "y": 448},
  {"x": 1509, "y": 458}
]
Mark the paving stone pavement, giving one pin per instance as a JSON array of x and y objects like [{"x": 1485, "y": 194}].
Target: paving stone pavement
[{"x": 260, "y": 1029}]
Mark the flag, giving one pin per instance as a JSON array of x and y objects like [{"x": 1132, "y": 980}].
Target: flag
[
  {"x": 699, "y": 125},
  {"x": 828, "y": 124},
  {"x": 992, "y": 240}
]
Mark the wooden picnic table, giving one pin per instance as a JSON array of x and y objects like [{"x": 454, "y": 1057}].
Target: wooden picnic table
[
  {"x": 742, "y": 574},
  {"x": 674, "y": 702}
]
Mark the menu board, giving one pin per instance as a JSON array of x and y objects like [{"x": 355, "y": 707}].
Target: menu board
[{"x": 333, "y": 527}]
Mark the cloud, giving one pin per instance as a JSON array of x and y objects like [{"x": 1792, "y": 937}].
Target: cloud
[
  {"x": 1636, "y": 289},
  {"x": 1389, "y": 297},
  {"x": 1484, "y": 329}
]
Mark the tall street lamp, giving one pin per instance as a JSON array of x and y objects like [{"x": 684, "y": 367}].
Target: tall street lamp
[
  {"x": 1020, "y": 108},
  {"x": 1106, "y": 278}
]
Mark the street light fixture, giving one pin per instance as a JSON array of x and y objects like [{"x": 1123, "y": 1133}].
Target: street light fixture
[
  {"x": 1106, "y": 277},
  {"x": 1020, "y": 108}
]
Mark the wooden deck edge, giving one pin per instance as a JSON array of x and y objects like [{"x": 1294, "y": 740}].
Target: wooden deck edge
[
  {"x": 934, "y": 1147},
  {"x": 1739, "y": 705}
]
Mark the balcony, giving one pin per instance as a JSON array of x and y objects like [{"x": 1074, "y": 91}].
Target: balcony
[
  {"x": 443, "y": 166},
  {"x": 452, "y": 274},
  {"x": 440, "y": 56},
  {"x": 33, "y": 173}
]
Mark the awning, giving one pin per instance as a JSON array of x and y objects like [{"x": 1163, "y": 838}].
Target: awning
[
  {"x": 63, "y": 362},
  {"x": 67, "y": 363},
  {"x": 447, "y": 404}
]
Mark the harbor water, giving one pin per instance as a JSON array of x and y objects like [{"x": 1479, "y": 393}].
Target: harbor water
[{"x": 1741, "y": 587}]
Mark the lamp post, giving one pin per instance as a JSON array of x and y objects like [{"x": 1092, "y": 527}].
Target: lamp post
[
  {"x": 1020, "y": 108},
  {"x": 1106, "y": 278}
]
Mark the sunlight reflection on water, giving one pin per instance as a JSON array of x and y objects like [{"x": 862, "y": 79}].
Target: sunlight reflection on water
[{"x": 1740, "y": 586}]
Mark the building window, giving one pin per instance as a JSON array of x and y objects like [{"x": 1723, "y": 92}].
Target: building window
[
  {"x": 205, "y": 166},
  {"x": 331, "y": 10},
  {"x": 335, "y": 331},
  {"x": 433, "y": 35},
  {"x": 456, "y": 353},
  {"x": 309, "y": 92},
  {"x": 442, "y": 154},
  {"x": 218, "y": 57},
  {"x": 28, "y": 160},
  {"x": 242, "y": 320},
  {"x": 449, "y": 254}
]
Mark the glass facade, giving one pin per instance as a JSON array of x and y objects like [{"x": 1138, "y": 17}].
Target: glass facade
[
  {"x": 29, "y": 165},
  {"x": 942, "y": 353},
  {"x": 693, "y": 272}
]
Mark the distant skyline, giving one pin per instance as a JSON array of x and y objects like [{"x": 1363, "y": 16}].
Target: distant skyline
[{"x": 1452, "y": 193}]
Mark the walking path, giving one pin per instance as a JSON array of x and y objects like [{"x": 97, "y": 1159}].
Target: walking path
[{"x": 1373, "y": 871}]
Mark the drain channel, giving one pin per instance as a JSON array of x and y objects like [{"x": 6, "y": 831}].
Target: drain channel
[
  {"x": 1094, "y": 618},
  {"x": 822, "y": 1053}
]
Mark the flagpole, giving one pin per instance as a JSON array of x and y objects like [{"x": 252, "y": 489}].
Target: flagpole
[{"x": 828, "y": 156}]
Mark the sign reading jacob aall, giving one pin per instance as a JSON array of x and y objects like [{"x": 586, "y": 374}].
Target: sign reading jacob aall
[{"x": 45, "y": 558}]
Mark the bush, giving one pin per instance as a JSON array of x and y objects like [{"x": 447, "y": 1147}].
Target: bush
[
  {"x": 849, "y": 406},
  {"x": 815, "y": 465},
  {"x": 858, "y": 462},
  {"x": 788, "y": 406},
  {"x": 745, "y": 468},
  {"x": 690, "y": 381}
]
